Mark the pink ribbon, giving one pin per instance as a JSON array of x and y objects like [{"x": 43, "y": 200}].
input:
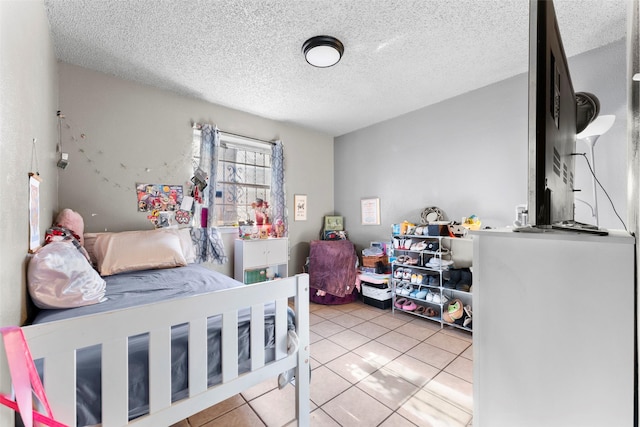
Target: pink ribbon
[{"x": 25, "y": 379}]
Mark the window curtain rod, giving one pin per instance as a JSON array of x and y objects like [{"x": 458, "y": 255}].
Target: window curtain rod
[{"x": 263, "y": 141}]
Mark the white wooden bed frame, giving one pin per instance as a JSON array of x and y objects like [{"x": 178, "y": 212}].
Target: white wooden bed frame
[{"x": 56, "y": 342}]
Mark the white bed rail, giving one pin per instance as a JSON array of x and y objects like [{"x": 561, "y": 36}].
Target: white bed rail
[{"x": 57, "y": 342}]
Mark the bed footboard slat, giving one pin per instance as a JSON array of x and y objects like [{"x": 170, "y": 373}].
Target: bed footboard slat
[
  {"x": 197, "y": 356},
  {"x": 115, "y": 392},
  {"x": 160, "y": 369},
  {"x": 281, "y": 327},
  {"x": 257, "y": 336},
  {"x": 60, "y": 385},
  {"x": 229, "y": 346}
]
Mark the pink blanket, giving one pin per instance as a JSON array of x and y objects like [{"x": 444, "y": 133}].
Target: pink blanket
[{"x": 332, "y": 266}]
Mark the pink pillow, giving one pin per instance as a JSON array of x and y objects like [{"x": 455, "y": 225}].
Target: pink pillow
[{"x": 137, "y": 250}]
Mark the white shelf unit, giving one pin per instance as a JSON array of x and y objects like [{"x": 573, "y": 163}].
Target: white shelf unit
[
  {"x": 438, "y": 274},
  {"x": 254, "y": 257}
]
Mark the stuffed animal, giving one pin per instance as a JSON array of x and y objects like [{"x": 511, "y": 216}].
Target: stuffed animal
[{"x": 71, "y": 220}]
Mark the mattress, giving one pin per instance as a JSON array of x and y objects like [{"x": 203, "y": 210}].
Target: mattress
[{"x": 145, "y": 287}]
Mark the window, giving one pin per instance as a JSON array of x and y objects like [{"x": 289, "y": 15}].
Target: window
[{"x": 243, "y": 175}]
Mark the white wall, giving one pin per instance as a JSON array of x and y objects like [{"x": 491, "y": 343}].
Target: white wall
[
  {"x": 116, "y": 130},
  {"x": 468, "y": 155},
  {"x": 28, "y": 90}
]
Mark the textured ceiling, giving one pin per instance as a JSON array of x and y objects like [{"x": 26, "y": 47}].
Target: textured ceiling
[{"x": 399, "y": 55}]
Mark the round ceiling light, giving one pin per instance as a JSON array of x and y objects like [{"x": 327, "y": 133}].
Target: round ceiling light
[{"x": 323, "y": 51}]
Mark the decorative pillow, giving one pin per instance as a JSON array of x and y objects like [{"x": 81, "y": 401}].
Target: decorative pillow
[
  {"x": 59, "y": 276},
  {"x": 137, "y": 250}
]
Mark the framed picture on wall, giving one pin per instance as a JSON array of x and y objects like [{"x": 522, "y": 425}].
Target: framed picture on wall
[
  {"x": 333, "y": 223},
  {"x": 370, "y": 211},
  {"x": 300, "y": 207}
]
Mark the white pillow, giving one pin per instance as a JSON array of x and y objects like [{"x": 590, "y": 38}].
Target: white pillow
[
  {"x": 137, "y": 250},
  {"x": 59, "y": 276},
  {"x": 188, "y": 250}
]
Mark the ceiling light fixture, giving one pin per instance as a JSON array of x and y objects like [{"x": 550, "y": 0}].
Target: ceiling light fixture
[{"x": 323, "y": 51}]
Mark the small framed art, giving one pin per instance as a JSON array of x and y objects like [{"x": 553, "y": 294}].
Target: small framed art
[
  {"x": 300, "y": 207},
  {"x": 370, "y": 211},
  {"x": 333, "y": 223}
]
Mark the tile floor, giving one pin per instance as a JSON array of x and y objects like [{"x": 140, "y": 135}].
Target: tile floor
[{"x": 369, "y": 368}]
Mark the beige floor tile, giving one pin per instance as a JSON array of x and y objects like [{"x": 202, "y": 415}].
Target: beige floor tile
[
  {"x": 276, "y": 408},
  {"x": 313, "y": 337},
  {"x": 452, "y": 389},
  {"x": 354, "y": 407},
  {"x": 377, "y": 353},
  {"x": 468, "y": 353},
  {"x": 396, "y": 420},
  {"x": 326, "y": 328},
  {"x": 319, "y": 418},
  {"x": 352, "y": 367},
  {"x": 328, "y": 312},
  {"x": 260, "y": 389},
  {"x": 243, "y": 416},
  {"x": 313, "y": 307},
  {"x": 313, "y": 319},
  {"x": 386, "y": 387},
  {"x": 325, "y": 385},
  {"x": 347, "y": 320},
  {"x": 427, "y": 410},
  {"x": 216, "y": 411},
  {"x": 349, "y": 339},
  {"x": 427, "y": 324},
  {"x": 398, "y": 341},
  {"x": 412, "y": 370},
  {"x": 432, "y": 355},
  {"x": 448, "y": 342},
  {"x": 367, "y": 313},
  {"x": 370, "y": 330},
  {"x": 419, "y": 330},
  {"x": 326, "y": 350},
  {"x": 458, "y": 333},
  {"x": 392, "y": 321},
  {"x": 461, "y": 368},
  {"x": 346, "y": 308}
]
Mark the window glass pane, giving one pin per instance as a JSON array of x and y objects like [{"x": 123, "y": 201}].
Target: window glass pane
[{"x": 243, "y": 175}]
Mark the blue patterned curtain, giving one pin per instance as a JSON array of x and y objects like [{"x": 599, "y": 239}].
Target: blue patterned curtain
[
  {"x": 207, "y": 239},
  {"x": 278, "y": 196}
]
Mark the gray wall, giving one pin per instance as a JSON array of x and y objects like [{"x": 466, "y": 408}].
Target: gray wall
[
  {"x": 119, "y": 133},
  {"x": 28, "y": 90},
  {"x": 468, "y": 155}
]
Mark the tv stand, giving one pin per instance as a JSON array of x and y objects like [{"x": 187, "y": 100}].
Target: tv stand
[{"x": 578, "y": 227}]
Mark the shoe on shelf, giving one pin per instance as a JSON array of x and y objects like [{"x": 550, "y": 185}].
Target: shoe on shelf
[
  {"x": 429, "y": 297},
  {"x": 406, "y": 275},
  {"x": 409, "y": 305},
  {"x": 397, "y": 274},
  {"x": 420, "y": 310},
  {"x": 400, "y": 302},
  {"x": 422, "y": 294},
  {"x": 430, "y": 312}
]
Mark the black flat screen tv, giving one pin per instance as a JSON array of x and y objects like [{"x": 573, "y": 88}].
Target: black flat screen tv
[{"x": 552, "y": 122}]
